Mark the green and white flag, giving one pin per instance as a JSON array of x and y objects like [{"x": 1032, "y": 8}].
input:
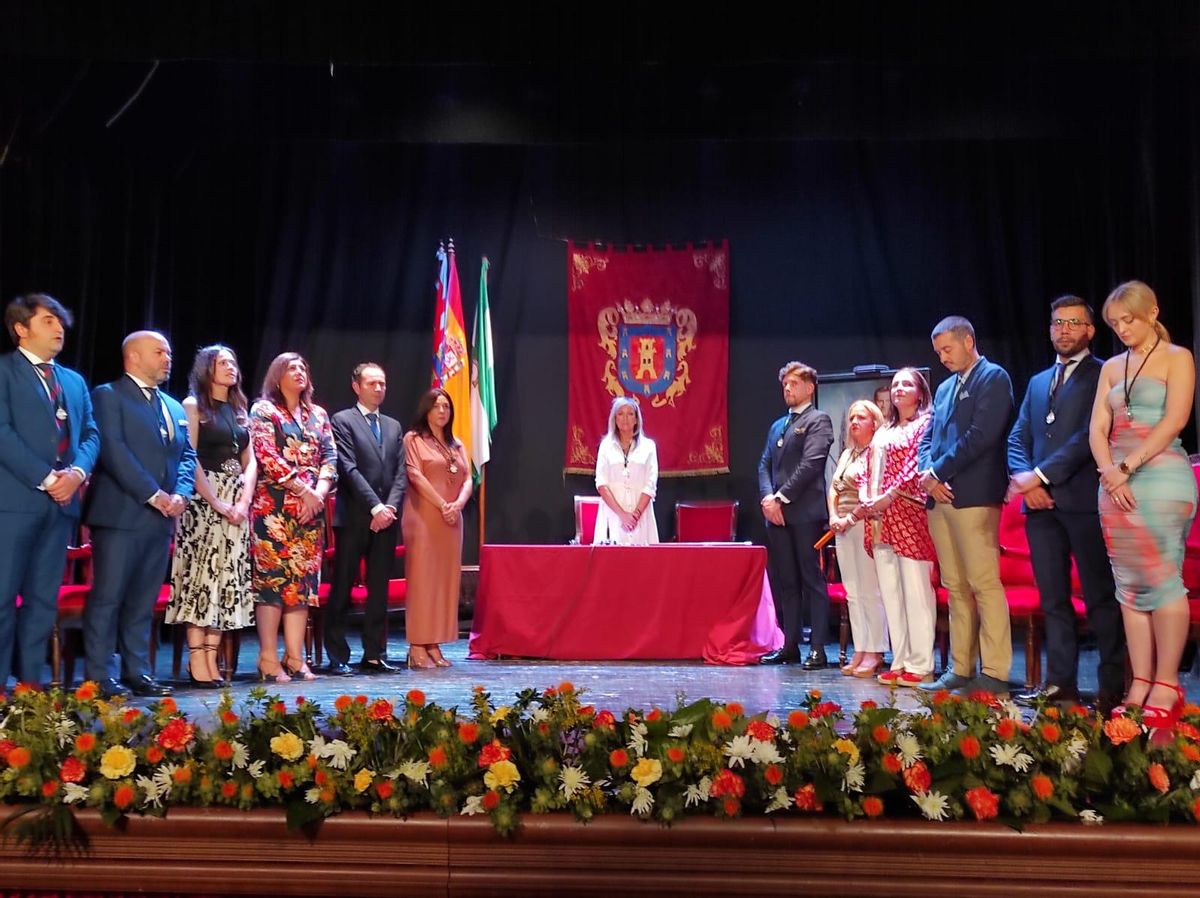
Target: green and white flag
[{"x": 483, "y": 381}]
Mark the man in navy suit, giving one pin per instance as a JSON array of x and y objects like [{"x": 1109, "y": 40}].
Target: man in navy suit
[
  {"x": 791, "y": 484},
  {"x": 371, "y": 484},
  {"x": 1051, "y": 467},
  {"x": 962, "y": 459},
  {"x": 146, "y": 472},
  {"x": 48, "y": 446}
]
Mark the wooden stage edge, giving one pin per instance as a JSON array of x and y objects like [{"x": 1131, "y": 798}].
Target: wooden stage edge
[{"x": 226, "y": 852}]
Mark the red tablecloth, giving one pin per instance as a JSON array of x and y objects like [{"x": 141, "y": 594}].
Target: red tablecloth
[{"x": 618, "y": 602}]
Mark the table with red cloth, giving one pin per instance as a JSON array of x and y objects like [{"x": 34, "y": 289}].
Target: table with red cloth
[{"x": 673, "y": 600}]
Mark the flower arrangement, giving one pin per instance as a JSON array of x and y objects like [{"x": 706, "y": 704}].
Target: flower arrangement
[{"x": 971, "y": 758}]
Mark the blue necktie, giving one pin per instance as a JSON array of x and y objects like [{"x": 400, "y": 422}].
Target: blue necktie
[
  {"x": 152, "y": 395},
  {"x": 373, "y": 420}
]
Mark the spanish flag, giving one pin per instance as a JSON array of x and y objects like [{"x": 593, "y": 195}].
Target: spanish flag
[{"x": 451, "y": 367}]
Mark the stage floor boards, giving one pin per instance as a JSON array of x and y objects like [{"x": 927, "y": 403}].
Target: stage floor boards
[{"x": 614, "y": 685}]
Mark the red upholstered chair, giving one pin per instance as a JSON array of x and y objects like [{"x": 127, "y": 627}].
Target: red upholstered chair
[
  {"x": 1020, "y": 588},
  {"x": 1191, "y": 569},
  {"x": 72, "y": 596},
  {"x": 586, "y": 509},
  {"x": 706, "y": 521}
]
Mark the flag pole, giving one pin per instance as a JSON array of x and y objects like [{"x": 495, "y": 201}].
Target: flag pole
[{"x": 482, "y": 505}]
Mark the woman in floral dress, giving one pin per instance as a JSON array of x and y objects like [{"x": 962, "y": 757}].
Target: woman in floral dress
[{"x": 297, "y": 463}]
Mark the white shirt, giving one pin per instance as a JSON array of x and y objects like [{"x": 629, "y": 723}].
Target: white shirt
[{"x": 627, "y": 478}]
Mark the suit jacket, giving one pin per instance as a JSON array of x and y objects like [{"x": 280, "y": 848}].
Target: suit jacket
[
  {"x": 134, "y": 461},
  {"x": 796, "y": 469},
  {"x": 29, "y": 433},
  {"x": 964, "y": 445},
  {"x": 1059, "y": 450},
  {"x": 368, "y": 474}
]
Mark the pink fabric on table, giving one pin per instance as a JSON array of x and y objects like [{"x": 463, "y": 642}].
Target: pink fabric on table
[{"x": 623, "y": 602}]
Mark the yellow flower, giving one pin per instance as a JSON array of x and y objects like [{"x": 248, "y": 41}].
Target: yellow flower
[
  {"x": 288, "y": 746},
  {"x": 646, "y": 771},
  {"x": 502, "y": 775},
  {"x": 117, "y": 762},
  {"x": 363, "y": 780},
  {"x": 846, "y": 747},
  {"x": 499, "y": 714}
]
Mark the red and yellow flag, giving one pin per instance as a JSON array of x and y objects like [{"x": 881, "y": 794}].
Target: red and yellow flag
[{"x": 451, "y": 366}]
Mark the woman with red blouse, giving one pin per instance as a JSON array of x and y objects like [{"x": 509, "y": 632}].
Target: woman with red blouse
[{"x": 898, "y": 535}]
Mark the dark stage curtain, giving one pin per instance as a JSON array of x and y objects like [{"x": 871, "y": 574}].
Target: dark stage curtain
[{"x": 218, "y": 210}]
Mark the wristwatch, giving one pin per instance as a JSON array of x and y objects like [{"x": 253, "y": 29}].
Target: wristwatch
[{"x": 1125, "y": 469}]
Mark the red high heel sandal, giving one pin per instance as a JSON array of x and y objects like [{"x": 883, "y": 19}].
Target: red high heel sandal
[
  {"x": 1156, "y": 717},
  {"x": 1121, "y": 709}
]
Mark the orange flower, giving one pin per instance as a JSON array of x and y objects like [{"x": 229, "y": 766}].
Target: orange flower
[
  {"x": 618, "y": 757},
  {"x": 342, "y": 702},
  {"x": 806, "y": 799},
  {"x": 229, "y": 789},
  {"x": 130, "y": 715},
  {"x": 654, "y": 715},
  {"x": 416, "y": 698},
  {"x": 168, "y": 705},
  {"x": 327, "y": 795},
  {"x": 73, "y": 770},
  {"x": 869, "y": 705},
  {"x": 86, "y": 691},
  {"x": 760, "y": 730},
  {"x": 437, "y": 756},
  {"x": 721, "y": 720},
  {"x": 1120, "y": 730},
  {"x": 223, "y": 750},
  {"x": 773, "y": 774},
  {"x": 228, "y": 717},
  {"x": 1190, "y": 752},
  {"x": 468, "y": 733},
  {"x": 872, "y": 806},
  {"x": 361, "y": 699},
  {"x": 49, "y": 788},
  {"x": 383, "y": 789},
  {"x": 815, "y": 693},
  {"x": 286, "y": 780},
  {"x": 798, "y": 720},
  {"x": 1042, "y": 786},
  {"x": 604, "y": 720},
  {"x": 726, "y": 782},
  {"x": 154, "y": 754},
  {"x": 247, "y": 791},
  {"x": 543, "y": 728},
  {"x": 1190, "y": 710},
  {"x": 182, "y": 776},
  {"x": 892, "y": 763},
  {"x": 1159, "y": 779},
  {"x": 1051, "y": 712},
  {"x": 917, "y": 777},
  {"x": 321, "y": 778},
  {"x": 881, "y": 734},
  {"x": 968, "y": 747},
  {"x": 675, "y": 754},
  {"x": 124, "y": 796},
  {"x": 381, "y": 709},
  {"x": 734, "y": 709},
  {"x": 1196, "y": 810},
  {"x": 1080, "y": 711},
  {"x": 586, "y": 711},
  {"x": 279, "y": 708},
  {"x": 566, "y": 686},
  {"x": 942, "y": 695},
  {"x": 1187, "y": 731},
  {"x": 19, "y": 757},
  {"x": 491, "y": 798},
  {"x": 1050, "y": 732},
  {"x": 730, "y": 806},
  {"x": 1006, "y": 728},
  {"x": 23, "y": 689},
  {"x": 983, "y": 802}
]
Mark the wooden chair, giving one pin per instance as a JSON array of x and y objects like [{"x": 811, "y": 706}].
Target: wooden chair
[
  {"x": 72, "y": 597},
  {"x": 586, "y": 510},
  {"x": 706, "y": 521}
]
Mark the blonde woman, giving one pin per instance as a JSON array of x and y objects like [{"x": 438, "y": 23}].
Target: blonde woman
[{"x": 626, "y": 478}]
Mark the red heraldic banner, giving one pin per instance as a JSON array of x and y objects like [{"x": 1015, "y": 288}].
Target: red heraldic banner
[{"x": 651, "y": 324}]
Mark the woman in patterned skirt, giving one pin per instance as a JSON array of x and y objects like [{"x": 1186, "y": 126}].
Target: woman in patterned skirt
[
  {"x": 210, "y": 570},
  {"x": 297, "y": 466},
  {"x": 1147, "y": 494}
]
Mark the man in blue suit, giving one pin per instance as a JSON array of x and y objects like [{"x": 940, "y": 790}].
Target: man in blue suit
[
  {"x": 791, "y": 486},
  {"x": 962, "y": 458},
  {"x": 143, "y": 480},
  {"x": 48, "y": 447},
  {"x": 1051, "y": 466}
]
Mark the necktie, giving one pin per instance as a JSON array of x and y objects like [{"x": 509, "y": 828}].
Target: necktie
[
  {"x": 960, "y": 388},
  {"x": 152, "y": 395},
  {"x": 60, "y": 409},
  {"x": 373, "y": 419},
  {"x": 1060, "y": 375}
]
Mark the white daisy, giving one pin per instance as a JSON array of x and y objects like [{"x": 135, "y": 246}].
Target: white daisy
[
  {"x": 163, "y": 777},
  {"x": 154, "y": 791},
  {"x": 1194, "y": 785},
  {"x": 256, "y": 768},
  {"x": 65, "y": 730},
  {"x": 856, "y": 776},
  {"x": 540, "y": 715},
  {"x": 241, "y": 757},
  {"x": 698, "y": 793},
  {"x": 637, "y": 739},
  {"x": 572, "y": 781},
  {"x": 472, "y": 806},
  {"x": 1011, "y": 756},
  {"x": 909, "y": 748},
  {"x": 339, "y": 754},
  {"x": 1009, "y": 708},
  {"x": 1091, "y": 818},
  {"x": 643, "y": 801},
  {"x": 739, "y": 749},
  {"x": 774, "y": 721},
  {"x": 415, "y": 771},
  {"x": 680, "y": 731},
  {"x": 780, "y": 801},
  {"x": 313, "y": 795},
  {"x": 73, "y": 793},
  {"x": 934, "y": 805},
  {"x": 765, "y": 753}
]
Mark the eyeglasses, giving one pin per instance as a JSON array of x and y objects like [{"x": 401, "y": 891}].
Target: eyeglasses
[{"x": 1069, "y": 323}]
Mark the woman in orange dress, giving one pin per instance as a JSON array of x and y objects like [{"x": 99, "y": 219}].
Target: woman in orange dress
[{"x": 439, "y": 485}]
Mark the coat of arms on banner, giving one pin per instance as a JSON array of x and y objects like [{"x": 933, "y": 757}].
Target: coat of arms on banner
[{"x": 647, "y": 346}]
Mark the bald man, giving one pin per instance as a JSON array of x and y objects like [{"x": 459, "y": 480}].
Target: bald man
[{"x": 139, "y": 490}]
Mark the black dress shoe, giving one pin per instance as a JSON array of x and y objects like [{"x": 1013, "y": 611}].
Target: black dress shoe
[
  {"x": 377, "y": 666},
  {"x": 782, "y": 656},
  {"x": 815, "y": 661},
  {"x": 112, "y": 689},
  {"x": 1049, "y": 694},
  {"x": 147, "y": 687},
  {"x": 338, "y": 669}
]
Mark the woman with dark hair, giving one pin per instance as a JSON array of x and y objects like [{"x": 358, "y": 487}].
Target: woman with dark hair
[
  {"x": 626, "y": 478},
  {"x": 297, "y": 461},
  {"x": 897, "y": 535},
  {"x": 439, "y": 485},
  {"x": 1147, "y": 494},
  {"x": 210, "y": 570}
]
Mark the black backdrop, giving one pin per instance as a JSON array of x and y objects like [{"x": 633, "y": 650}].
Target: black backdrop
[{"x": 266, "y": 197}]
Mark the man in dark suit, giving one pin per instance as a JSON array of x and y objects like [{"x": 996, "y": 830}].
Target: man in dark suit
[
  {"x": 1051, "y": 466},
  {"x": 791, "y": 484},
  {"x": 48, "y": 446},
  {"x": 962, "y": 459},
  {"x": 144, "y": 478},
  {"x": 371, "y": 484}
]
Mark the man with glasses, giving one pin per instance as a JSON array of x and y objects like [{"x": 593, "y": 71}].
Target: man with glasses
[{"x": 1051, "y": 467}]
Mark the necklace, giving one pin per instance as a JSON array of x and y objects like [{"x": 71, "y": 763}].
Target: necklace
[
  {"x": 1128, "y": 384},
  {"x": 447, "y": 453}
]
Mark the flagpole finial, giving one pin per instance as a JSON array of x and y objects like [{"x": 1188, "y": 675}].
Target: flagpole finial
[{"x": 450, "y": 244}]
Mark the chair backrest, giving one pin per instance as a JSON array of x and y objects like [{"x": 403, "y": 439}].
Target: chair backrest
[
  {"x": 706, "y": 521},
  {"x": 586, "y": 509},
  {"x": 1191, "y": 555}
]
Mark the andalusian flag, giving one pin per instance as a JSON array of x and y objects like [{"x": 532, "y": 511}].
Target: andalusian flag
[
  {"x": 483, "y": 380},
  {"x": 451, "y": 368}
]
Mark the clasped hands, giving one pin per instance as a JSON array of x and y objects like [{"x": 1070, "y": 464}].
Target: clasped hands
[
  {"x": 168, "y": 506},
  {"x": 383, "y": 519},
  {"x": 311, "y": 503},
  {"x": 451, "y": 511},
  {"x": 1029, "y": 487},
  {"x": 64, "y": 485},
  {"x": 1116, "y": 484},
  {"x": 938, "y": 491}
]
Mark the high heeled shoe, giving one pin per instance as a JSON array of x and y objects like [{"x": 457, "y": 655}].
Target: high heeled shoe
[
  {"x": 867, "y": 673},
  {"x": 300, "y": 671},
  {"x": 1126, "y": 705},
  {"x": 438, "y": 659},
  {"x": 1157, "y": 717},
  {"x": 195, "y": 682},
  {"x": 421, "y": 661},
  {"x": 274, "y": 671}
]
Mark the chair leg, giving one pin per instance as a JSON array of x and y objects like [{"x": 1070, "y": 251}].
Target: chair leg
[
  {"x": 1033, "y": 653},
  {"x": 231, "y": 646},
  {"x": 843, "y": 633},
  {"x": 56, "y": 660},
  {"x": 153, "y": 646},
  {"x": 177, "y": 633}
]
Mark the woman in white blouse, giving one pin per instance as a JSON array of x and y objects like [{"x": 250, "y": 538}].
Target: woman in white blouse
[{"x": 626, "y": 478}]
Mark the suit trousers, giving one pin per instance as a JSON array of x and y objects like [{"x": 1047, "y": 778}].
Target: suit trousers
[
  {"x": 967, "y": 541},
  {"x": 1054, "y": 537},
  {"x": 129, "y": 568},
  {"x": 353, "y": 544},
  {"x": 797, "y": 582},
  {"x": 31, "y": 565},
  {"x": 911, "y": 607},
  {"x": 868, "y": 626}
]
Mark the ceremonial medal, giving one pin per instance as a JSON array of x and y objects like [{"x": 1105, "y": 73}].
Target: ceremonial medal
[
  {"x": 779, "y": 443},
  {"x": 1128, "y": 413},
  {"x": 61, "y": 414},
  {"x": 1050, "y": 417},
  {"x": 453, "y": 468}
]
